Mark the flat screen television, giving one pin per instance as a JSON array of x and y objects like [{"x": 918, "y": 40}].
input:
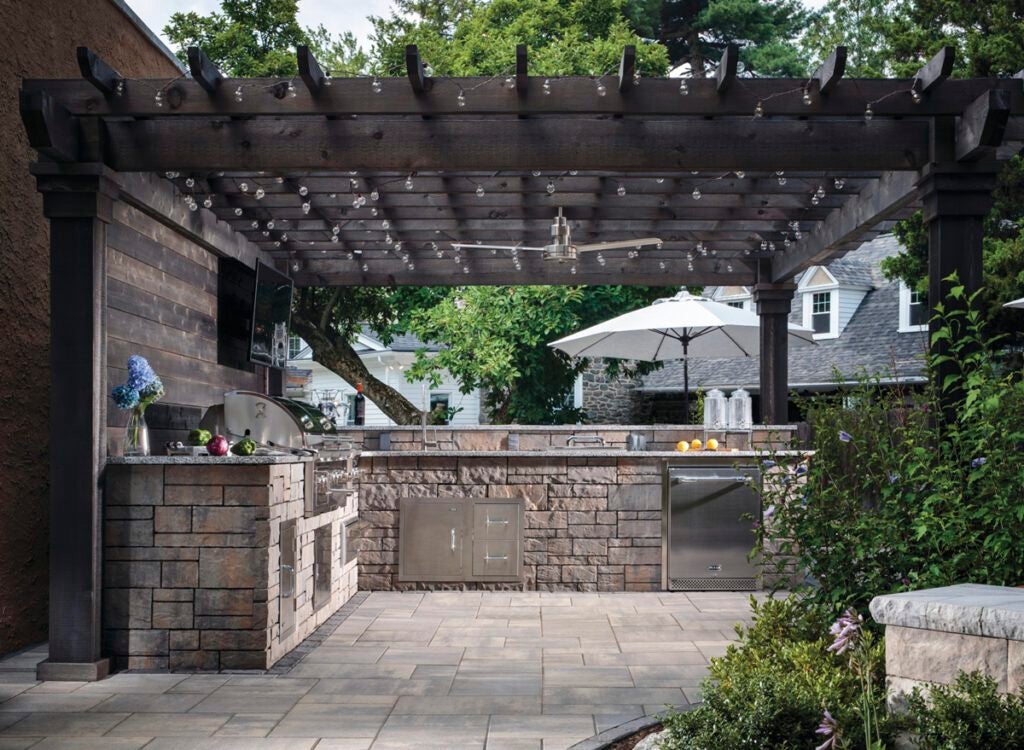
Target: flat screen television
[{"x": 271, "y": 313}]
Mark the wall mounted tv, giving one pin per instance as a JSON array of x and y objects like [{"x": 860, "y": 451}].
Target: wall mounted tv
[
  {"x": 253, "y": 312},
  {"x": 271, "y": 312}
]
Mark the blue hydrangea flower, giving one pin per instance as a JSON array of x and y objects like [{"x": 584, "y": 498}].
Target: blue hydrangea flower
[
  {"x": 140, "y": 374},
  {"x": 979, "y": 462},
  {"x": 801, "y": 470},
  {"x": 845, "y": 436},
  {"x": 893, "y": 477},
  {"x": 125, "y": 396},
  {"x": 767, "y": 463},
  {"x": 152, "y": 392}
]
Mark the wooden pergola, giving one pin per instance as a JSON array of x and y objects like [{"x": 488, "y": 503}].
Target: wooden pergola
[{"x": 367, "y": 181}]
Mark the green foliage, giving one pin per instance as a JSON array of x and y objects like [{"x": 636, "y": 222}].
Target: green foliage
[
  {"x": 696, "y": 32},
  {"x": 911, "y": 499},
  {"x": 772, "y": 687},
  {"x": 257, "y": 38},
  {"x": 967, "y": 715},
  {"x": 495, "y": 338},
  {"x": 584, "y": 37}
]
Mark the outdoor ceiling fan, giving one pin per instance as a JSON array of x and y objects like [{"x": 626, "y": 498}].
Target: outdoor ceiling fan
[{"x": 561, "y": 248}]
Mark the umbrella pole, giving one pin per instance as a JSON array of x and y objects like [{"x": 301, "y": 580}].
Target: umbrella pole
[{"x": 686, "y": 382}]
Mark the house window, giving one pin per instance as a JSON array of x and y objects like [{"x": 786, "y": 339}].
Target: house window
[
  {"x": 918, "y": 311},
  {"x": 735, "y": 304},
  {"x": 821, "y": 312},
  {"x": 294, "y": 347},
  {"x": 350, "y": 408},
  {"x": 439, "y": 404}
]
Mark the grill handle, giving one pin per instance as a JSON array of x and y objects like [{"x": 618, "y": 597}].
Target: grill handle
[{"x": 688, "y": 479}]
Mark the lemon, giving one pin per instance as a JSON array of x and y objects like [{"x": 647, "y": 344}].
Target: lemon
[
  {"x": 695, "y": 444},
  {"x": 712, "y": 444},
  {"x": 682, "y": 446}
]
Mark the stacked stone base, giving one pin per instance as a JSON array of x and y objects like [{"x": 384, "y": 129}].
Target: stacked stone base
[{"x": 191, "y": 565}]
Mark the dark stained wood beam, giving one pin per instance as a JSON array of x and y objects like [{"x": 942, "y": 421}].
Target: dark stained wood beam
[
  {"x": 935, "y": 71},
  {"x": 203, "y": 71},
  {"x": 50, "y": 129},
  {"x": 627, "y": 67},
  {"x": 462, "y": 144},
  {"x": 522, "y": 69},
  {"x": 416, "y": 70},
  {"x": 656, "y": 97},
  {"x": 98, "y": 73},
  {"x": 830, "y": 72},
  {"x": 893, "y": 192},
  {"x": 726, "y": 72},
  {"x": 309, "y": 70},
  {"x": 982, "y": 127}
]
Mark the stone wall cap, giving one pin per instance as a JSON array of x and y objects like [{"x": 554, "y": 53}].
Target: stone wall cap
[
  {"x": 968, "y": 608},
  {"x": 695, "y": 457},
  {"x": 219, "y": 460},
  {"x": 525, "y": 428}
]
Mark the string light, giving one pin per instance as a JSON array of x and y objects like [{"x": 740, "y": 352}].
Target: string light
[
  {"x": 684, "y": 87},
  {"x": 600, "y": 259},
  {"x": 409, "y": 183},
  {"x": 868, "y": 113},
  {"x": 601, "y": 88},
  {"x": 480, "y": 192},
  {"x": 839, "y": 182},
  {"x": 260, "y": 193},
  {"x": 303, "y": 191},
  {"x": 255, "y": 224},
  {"x": 808, "y": 101},
  {"x": 620, "y": 190},
  {"x": 385, "y": 224},
  {"x": 375, "y": 85},
  {"x": 374, "y": 195},
  {"x": 208, "y": 202},
  {"x": 461, "y": 98},
  {"x": 636, "y": 77},
  {"x": 659, "y": 180},
  {"x": 238, "y": 94},
  {"x": 550, "y": 188},
  {"x": 820, "y": 192},
  {"x": 740, "y": 174},
  {"x": 546, "y": 87},
  {"x": 305, "y": 207},
  {"x": 759, "y": 110},
  {"x": 510, "y": 83},
  {"x": 244, "y": 187},
  {"x": 696, "y": 194},
  {"x": 291, "y": 90},
  {"x": 270, "y": 224},
  {"x": 238, "y": 212}
]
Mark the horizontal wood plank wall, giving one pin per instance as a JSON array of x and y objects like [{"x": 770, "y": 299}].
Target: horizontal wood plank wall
[{"x": 162, "y": 304}]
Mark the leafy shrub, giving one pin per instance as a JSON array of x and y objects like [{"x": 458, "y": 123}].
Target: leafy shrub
[
  {"x": 901, "y": 495},
  {"x": 771, "y": 688},
  {"x": 968, "y": 715}
]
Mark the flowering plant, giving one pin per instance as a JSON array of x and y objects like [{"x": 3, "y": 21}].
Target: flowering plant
[
  {"x": 849, "y": 637},
  {"x": 141, "y": 388}
]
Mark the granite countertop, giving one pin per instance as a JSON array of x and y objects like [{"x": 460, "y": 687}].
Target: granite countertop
[
  {"x": 557, "y": 428},
  {"x": 229, "y": 459},
  {"x": 583, "y": 453}
]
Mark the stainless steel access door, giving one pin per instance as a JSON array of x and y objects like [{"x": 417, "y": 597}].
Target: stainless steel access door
[
  {"x": 431, "y": 536},
  {"x": 710, "y": 513},
  {"x": 288, "y": 578}
]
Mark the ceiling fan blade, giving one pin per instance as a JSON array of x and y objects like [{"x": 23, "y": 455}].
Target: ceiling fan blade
[
  {"x": 619, "y": 245},
  {"x": 472, "y": 245}
]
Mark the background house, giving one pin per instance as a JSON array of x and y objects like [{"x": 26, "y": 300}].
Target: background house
[
  {"x": 863, "y": 323},
  {"x": 308, "y": 379}
]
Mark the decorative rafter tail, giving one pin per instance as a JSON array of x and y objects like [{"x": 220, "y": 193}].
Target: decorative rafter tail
[
  {"x": 727, "y": 68},
  {"x": 203, "y": 71},
  {"x": 107, "y": 80}
]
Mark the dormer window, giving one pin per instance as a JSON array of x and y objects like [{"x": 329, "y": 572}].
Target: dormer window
[
  {"x": 913, "y": 310},
  {"x": 821, "y": 312},
  {"x": 738, "y": 304}
]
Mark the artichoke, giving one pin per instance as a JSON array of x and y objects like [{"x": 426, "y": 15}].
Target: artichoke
[
  {"x": 244, "y": 447},
  {"x": 199, "y": 437}
]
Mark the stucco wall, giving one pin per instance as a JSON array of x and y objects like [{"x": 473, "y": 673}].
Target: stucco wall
[{"x": 41, "y": 37}]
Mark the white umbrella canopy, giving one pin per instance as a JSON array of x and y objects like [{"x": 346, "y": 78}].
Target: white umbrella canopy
[
  {"x": 1015, "y": 303},
  {"x": 679, "y": 327}
]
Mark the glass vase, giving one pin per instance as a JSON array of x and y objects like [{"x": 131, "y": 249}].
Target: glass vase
[{"x": 136, "y": 434}]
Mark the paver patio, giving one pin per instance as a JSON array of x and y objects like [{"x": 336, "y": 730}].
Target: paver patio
[{"x": 494, "y": 671}]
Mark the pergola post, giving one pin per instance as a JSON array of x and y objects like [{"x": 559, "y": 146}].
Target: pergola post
[
  {"x": 955, "y": 204},
  {"x": 774, "y": 302},
  {"x": 79, "y": 207}
]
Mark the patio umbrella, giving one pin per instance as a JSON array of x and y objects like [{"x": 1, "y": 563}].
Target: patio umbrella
[
  {"x": 679, "y": 327},
  {"x": 1015, "y": 303}
]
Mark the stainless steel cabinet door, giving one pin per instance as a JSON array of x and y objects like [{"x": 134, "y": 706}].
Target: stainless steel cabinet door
[
  {"x": 711, "y": 514},
  {"x": 431, "y": 540},
  {"x": 288, "y": 578}
]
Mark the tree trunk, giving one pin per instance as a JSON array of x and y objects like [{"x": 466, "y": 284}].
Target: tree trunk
[{"x": 338, "y": 356}]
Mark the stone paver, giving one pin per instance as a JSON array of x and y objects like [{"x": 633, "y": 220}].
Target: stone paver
[{"x": 466, "y": 670}]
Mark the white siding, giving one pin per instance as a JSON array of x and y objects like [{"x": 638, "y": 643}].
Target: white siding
[
  {"x": 849, "y": 301},
  {"x": 391, "y": 375}
]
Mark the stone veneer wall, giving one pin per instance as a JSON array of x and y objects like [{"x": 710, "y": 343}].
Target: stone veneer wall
[
  {"x": 933, "y": 634},
  {"x": 191, "y": 556},
  {"x": 590, "y": 524},
  {"x": 608, "y": 400}
]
